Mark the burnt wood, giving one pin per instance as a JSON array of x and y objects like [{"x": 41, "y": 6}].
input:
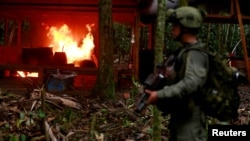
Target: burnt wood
[{"x": 45, "y": 70}]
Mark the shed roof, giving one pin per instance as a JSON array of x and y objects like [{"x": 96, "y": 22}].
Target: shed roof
[{"x": 222, "y": 11}]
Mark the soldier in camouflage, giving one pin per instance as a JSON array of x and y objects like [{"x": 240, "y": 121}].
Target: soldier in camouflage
[{"x": 188, "y": 121}]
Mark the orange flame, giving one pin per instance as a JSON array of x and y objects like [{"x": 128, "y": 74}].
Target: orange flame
[
  {"x": 27, "y": 74},
  {"x": 63, "y": 41}
]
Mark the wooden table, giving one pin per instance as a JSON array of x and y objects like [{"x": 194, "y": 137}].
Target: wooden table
[{"x": 44, "y": 70}]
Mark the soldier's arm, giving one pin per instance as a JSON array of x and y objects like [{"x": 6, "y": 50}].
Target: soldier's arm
[{"x": 194, "y": 76}]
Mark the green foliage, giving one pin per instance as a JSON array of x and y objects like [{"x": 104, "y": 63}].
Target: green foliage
[
  {"x": 122, "y": 39},
  {"x": 29, "y": 118},
  {"x": 68, "y": 114},
  {"x": 144, "y": 37},
  {"x": 169, "y": 43},
  {"x": 14, "y": 137},
  {"x": 17, "y": 137},
  {"x": 126, "y": 122},
  {"x": 23, "y": 137},
  {"x": 38, "y": 114},
  {"x": 222, "y": 38},
  {"x": 5, "y": 31},
  {"x": 135, "y": 87}
]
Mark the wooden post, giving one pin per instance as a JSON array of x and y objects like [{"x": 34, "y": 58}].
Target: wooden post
[
  {"x": 40, "y": 76},
  {"x": 232, "y": 8},
  {"x": 243, "y": 38},
  {"x": 6, "y": 31},
  {"x": 19, "y": 33},
  {"x": 135, "y": 47}
]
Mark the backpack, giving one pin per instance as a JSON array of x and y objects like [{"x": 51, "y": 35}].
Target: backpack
[{"x": 219, "y": 96}]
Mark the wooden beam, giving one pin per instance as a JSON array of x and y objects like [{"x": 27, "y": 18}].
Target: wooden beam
[
  {"x": 231, "y": 19},
  {"x": 243, "y": 38},
  {"x": 31, "y": 68},
  {"x": 232, "y": 9},
  {"x": 62, "y": 7},
  {"x": 135, "y": 47}
]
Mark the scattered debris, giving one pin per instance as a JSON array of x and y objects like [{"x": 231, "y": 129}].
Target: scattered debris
[{"x": 72, "y": 116}]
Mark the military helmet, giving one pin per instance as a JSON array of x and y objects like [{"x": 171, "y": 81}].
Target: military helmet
[{"x": 187, "y": 16}]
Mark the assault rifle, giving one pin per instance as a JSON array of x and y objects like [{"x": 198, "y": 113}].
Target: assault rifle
[{"x": 155, "y": 81}]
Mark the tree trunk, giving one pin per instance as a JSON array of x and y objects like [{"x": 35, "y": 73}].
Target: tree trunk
[
  {"x": 158, "y": 57},
  {"x": 104, "y": 86},
  {"x": 219, "y": 37},
  {"x": 226, "y": 37},
  {"x": 208, "y": 34},
  {"x": 233, "y": 32}
]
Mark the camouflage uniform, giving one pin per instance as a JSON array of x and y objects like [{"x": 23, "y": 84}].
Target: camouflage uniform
[{"x": 188, "y": 122}]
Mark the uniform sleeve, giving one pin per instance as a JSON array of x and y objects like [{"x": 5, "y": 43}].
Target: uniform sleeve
[{"x": 194, "y": 76}]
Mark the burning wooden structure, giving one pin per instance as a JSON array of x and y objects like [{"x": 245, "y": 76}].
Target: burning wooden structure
[{"x": 44, "y": 37}]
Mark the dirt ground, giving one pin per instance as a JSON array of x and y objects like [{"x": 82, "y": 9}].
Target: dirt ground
[{"x": 76, "y": 116}]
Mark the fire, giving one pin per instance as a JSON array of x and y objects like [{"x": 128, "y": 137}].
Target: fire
[
  {"x": 27, "y": 74},
  {"x": 62, "y": 40}
]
